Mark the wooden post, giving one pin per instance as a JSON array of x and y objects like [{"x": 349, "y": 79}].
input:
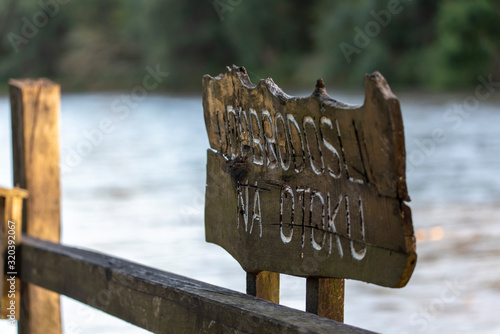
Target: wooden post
[
  {"x": 325, "y": 297},
  {"x": 264, "y": 285},
  {"x": 35, "y": 108},
  {"x": 11, "y": 206}
]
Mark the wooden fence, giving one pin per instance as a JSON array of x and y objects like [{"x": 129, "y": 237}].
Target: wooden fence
[{"x": 155, "y": 300}]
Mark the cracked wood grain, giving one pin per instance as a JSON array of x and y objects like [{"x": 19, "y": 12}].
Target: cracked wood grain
[{"x": 337, "y": 205}]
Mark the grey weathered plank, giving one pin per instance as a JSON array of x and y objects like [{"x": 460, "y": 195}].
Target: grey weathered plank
[
  {"x": 160, "y": 301},
  {"x": 35, "y": 106},
  {"x": 308, "y": 186}
]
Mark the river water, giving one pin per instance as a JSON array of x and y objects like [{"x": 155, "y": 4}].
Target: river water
[{"x": 137, "y": 192}]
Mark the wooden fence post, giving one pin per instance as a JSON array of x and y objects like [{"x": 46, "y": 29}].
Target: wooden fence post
[
  {"x": 11, "y": 206},
  {"x": 35, "y": 108},
  {"x": 325, "y": 297},
  {"x": 264, "y": 285}
]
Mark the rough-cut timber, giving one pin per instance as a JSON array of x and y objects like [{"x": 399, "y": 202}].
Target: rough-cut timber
[
  {"x": 308, "y": 186},
  {"x": 158, "y": 301},
  {"x": 11, "y": 206},
  {"x": 264, "y": 285},
  {"x": 35, "y": 108},
  {"x": 325, "y": 297}
]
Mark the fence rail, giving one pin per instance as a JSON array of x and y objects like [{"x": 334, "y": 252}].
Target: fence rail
[{"x": 159, "y": 301}]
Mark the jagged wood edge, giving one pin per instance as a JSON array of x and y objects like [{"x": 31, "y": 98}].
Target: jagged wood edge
[{"x": 376, "y": 84}]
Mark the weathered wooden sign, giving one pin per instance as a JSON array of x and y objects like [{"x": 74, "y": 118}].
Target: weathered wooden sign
[{"x": 308, "y": 186}]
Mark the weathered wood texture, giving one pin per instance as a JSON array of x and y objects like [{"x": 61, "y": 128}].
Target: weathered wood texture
[
  {"x": 325, "y": 297},
  {"x": 35, "y": 108},
  {"x": 308, "y": 186},
  {"x": 11, "y": 206},
  {"x": 159, "y": 301},
  {"x": 264, "y": 285}
]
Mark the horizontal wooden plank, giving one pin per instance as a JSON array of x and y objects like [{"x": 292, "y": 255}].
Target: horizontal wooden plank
[
  {"x": 16, "y": 191},
  {"x": 159, "y": 301}
]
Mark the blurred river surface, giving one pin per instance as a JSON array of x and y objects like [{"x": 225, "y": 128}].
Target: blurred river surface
[{"x": 138, "y": 193}]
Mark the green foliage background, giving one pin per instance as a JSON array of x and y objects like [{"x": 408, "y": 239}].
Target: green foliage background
[{"x": 95, "y": 44}]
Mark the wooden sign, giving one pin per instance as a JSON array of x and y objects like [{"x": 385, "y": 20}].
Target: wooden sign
[{"x": 308, "y": 186}]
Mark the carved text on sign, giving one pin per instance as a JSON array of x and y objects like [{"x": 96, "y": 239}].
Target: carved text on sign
[
  {"x": 282, "y": 141},
  {"x": 301, "y": 208}
]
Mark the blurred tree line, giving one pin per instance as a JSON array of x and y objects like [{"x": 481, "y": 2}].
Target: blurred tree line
[{"x": 96, "y": 44}]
